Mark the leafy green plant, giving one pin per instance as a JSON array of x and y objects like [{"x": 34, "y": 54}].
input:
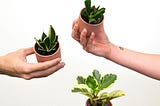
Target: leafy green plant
[
  {"x": 48, "y": 44},
  {"x": 94, "y": 84},
  {"x": 92, "y": 14}
]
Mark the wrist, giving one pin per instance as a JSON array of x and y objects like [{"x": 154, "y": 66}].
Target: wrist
[
  {"x": 1, "y": 64},
  {"x": 108, "y": 50}
]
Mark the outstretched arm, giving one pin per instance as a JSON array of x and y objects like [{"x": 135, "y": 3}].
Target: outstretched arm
[
  {"x": 15, "y": 64},
  {"x": 147, "y": 64},
  {"x": 99, "y": 45}
]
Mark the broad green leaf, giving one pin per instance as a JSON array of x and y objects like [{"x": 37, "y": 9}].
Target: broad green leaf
[
  {"x": 96, "y": 75},
  {"x": 91, "y": 82},
  {"x": 81, "y": 80},
  {"x": 79, "y": 90},
  {"x": 107, "y": 80},
  {"x": 116, "y": 94},
  {"x": 83, "y": 91},
  {"x": 104, "y": 95}
]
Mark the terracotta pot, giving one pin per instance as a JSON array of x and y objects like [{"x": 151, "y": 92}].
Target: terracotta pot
[
  {"x": 88, "y": 103},
  {"x": 96, "y": 28},
  {"x": 42, "y": 58}
]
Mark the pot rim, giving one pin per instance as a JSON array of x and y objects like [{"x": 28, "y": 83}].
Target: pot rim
[
  {"x": 45, "y": 55},
  {"x": 109, "y": 103},
  {"x": 80, "y": 16}
]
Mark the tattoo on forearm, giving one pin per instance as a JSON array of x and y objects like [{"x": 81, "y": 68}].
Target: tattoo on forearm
[{"x": 121, "y": 48}]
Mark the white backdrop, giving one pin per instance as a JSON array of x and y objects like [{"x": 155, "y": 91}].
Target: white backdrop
[{"x": 133, "y": 24}]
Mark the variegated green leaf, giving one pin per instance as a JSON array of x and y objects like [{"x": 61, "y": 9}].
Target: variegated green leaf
[
  {"x": 83, "y": 91},
  {"x": 91, "y": 83},
  {"x": 116, "y": 94},
  {"x": 107, "y": 80},
  {"x": 97, "y": 75},
  {"x": 81, "y": 80}
]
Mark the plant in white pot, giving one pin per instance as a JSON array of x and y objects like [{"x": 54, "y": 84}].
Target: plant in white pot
[
  {"x": 91, "y": 18},
  {"x": 92, "y": 86},
  {"x": 47, "y": 47}
]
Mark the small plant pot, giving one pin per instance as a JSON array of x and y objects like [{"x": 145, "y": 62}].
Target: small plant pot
[
  {"x": 96, "y": 28},
  {"x": 42, "y": 58},
  {"x": 89, "y": 104}
]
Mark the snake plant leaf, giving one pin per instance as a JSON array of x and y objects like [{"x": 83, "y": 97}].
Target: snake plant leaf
[
  {"x": 107, "y": 80},
  {"x": 81, "y": 80},
  {"x": 47, "y": 43},
  {"x": 91, "y": 82},
  {"x": 97, "y": 75},
  {"x": 43, "y": 36},
  {"x": 53, "y": 46},
  {"x": 38, "y": 42},
  {"x": 88, "y": 6},
  {"x": 93, "y": 21},
  {"x": 52, "y": 34},
  {"x": 98, "y": 13}
]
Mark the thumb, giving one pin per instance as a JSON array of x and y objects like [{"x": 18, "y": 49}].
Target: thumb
[{"x": 29, "y": 51}]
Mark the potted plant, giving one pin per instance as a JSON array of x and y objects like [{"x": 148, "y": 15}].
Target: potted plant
[
  {"x": 47, "y": 47},
  {"x": 91, "y": 18},
  {"x": 92, "y": 86}
]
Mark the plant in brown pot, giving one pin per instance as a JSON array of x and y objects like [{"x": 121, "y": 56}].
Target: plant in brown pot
[
  {"x": 47, "y": 47},
  {"x": 91, "y": 18},
  {"x": 92, "y": 85}
]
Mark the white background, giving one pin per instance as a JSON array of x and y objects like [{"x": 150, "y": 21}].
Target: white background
[{"x": 133, "y": 24}]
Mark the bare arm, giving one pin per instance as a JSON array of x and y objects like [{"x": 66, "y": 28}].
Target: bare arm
[
  {"x": 147, "y": 64},
  {"x": 99, "y": 45},
  {"x": 15, "y": 64}
]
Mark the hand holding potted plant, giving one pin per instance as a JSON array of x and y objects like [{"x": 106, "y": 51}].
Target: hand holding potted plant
[
  {"x": 91, "y": 18},
  {"x": 93, "y": 85},
  {"x": 47, "y": 47}
]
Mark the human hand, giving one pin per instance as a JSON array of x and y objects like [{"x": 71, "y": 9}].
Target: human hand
[
  {"x": 96, "y": 44},
  {"x": 15, "y": 64}
]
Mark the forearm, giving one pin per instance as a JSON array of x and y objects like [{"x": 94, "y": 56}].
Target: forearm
[
  {"x": 147, "y": 64},
  {"x": 1, "y": 65}
]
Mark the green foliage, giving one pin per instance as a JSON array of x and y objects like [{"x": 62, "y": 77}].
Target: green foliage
[
  {"x": 48, "y": 44},
  {"x": 91, "y": 86},
  {"x": 92, "y": 14}
]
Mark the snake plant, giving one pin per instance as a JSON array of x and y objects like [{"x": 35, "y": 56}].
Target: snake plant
[
  {"x": 92, "y": 85},
  {"x": 92, "y": 14},
  {"x": 48, "y": 44}
]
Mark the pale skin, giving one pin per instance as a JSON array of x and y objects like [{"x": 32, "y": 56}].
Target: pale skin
[
  {"x": 15, "y": 64},
  {"x": 99, "y": 45}
]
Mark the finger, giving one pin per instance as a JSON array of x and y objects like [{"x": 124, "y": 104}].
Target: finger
[
  {"x": 91, "y": 38},
  {"x": 74, "y": 22},
  {"x": 90, "y": 41},
  {"x": 28, "y": 51},
  {"x": 75, "y": 32},
  {"x": 34, "y": 67},
  {"x": 47, "y": 72},
  {"x": 83, "y": 38}
]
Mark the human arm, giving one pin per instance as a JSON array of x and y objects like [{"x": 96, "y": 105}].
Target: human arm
[
  {"x": 15, "y": 64},
  {"x": 147, "y": 64},
  {"x": 144, "y": 63}
]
